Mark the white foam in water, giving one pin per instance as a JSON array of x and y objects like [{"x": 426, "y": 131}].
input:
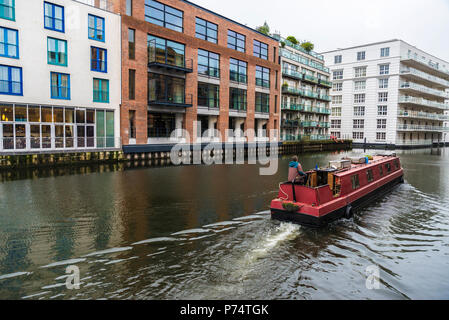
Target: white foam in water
[
  {"x": 153, "y": 240},
  {"x": 63, "y": 263},
  {"x": 13, "y": 275},
  {"x": 113, "y": 250},
  {"x": 199, "y": 230},
  {"x": 255, "y": 216},
  {"x": 221, "y": 224}
]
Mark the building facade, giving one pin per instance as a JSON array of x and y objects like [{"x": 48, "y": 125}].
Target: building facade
[
  {"x": 60, "y": 76},
  {"x": 388, "y": 93},
  {"x": 305, "y": 94},
  {"x": 183, "y": 64}
]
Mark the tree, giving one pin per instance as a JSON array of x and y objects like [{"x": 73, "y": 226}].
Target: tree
[
  {"x": 265, "y": 29},
  {"x": 292, "y": 39},
  {"x": 307, "y": 45}
]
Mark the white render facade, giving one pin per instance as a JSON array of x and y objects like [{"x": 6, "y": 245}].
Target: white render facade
[
  {"x": 388, "y": 93},
  {"x": 305, "y": 94},
  {"x": 60, "y": 69}
]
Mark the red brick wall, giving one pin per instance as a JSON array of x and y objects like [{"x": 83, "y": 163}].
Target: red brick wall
[{"x": 140, "y": 64}]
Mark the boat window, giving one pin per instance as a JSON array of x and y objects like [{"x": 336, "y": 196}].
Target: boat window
[
  {"x": 381, "y": 171},
  {"x": 369, "y": 175},
  {"x": 396, "y": 163},
  {"x": 355, "y": 181},
  {"x": 388, "y": 166}
]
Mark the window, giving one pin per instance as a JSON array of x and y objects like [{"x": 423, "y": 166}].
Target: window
[
  {"x": 359, "y": 111},
  {"x": 208, "y": 95},
  {"x": 369, "y": 175},
  {"x": 382, "y": 110},
  {"x": 383, "y": 83},
  {"x": 337, "y": 75},
  {"x": 131, "y": 44},
  {"x": 260, "y": 50},
  {"x": 132, "y": 84},
  {"x": 360, "y": 72},
  {"x": 360, "y": 55},
  {"x": 206, "y": 30},
  {"x": 357, "y": 135},
  {"x": 166, "y": 51},
  {"x": 262, "y": 77},
  {"x": 9, "y": 42},
  {"x": 381, "y": 123},
  {"x": 381, "y": 170},
  {"x": 129, "y": 7},
  {"x": 101, "y": 90},
  {"x": 359, "y": 98},
  {"x": 7, "y": 9},
  {"x": 384, "y": 69},
  {"x": 96, "y": 28},
  {"x": 385, "y": 52},
  {"x": 237, "y": 99},
  {"x": 53, "y": 17},
  {"x": 208, "y": 63},
  {"x": 262, "y": 102},
  {"x": 388, "y": 167},
  {"x": 359, "y": 85},
  {"x": 163, "y": 15},
  {"x": 337, "y": 59},
  {"x": 336, "y": 112},
  {"x": 382, "y": 136},
  {"x": 396, "y": 164},
  {"x": 355, "y": 181},
  {"x": 132, "y": 124},
  {"x": 337, "y": 99},
  {"x": 337, "y": 86},
  {"x": 60, "y": 86},
  {"x": 11, "y": 80},
  {"x": 165, "y": 88},
  {"x": 358, "y": 124},
  {"x": 57, "y": 52},
  {"x": 336, "y": 134},
  {"x": 236, "y": 41},
  {"x": 99, "y": 59},
  {"x": 383, "y": 96},
  {"x": 336, "y": 124},
  {"x": 238, "y": 70}
]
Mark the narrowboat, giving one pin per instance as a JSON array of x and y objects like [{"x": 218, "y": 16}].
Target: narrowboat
[{"x": 336, "y": 191}]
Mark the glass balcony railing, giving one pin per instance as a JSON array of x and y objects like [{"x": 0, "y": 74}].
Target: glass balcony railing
[
  {"x": 182, "y": 100},
  {"x": 423, "y": 102},
  {"x": 299, "y": 48},
  {"x": 325, "y": 83},
  {"x": 423, "y": 75},
  {"x": 293, "y": 107},
  {"x": 422, "y": 115},
  {"x": 310, "y": 78},
  {"x": 292, "y": 73},
  {"x": 295, "y": 57},
  {"x": 424, "y": 89},
  {"x": 427, "y": 62},
  {"x": 316, "y": 137},
  {"x": 309, "y": 124},
  {"x": 310, "y": 94},
  {"x": 324, "y": 97},
  {"x": 294, "y": 91},
  {"x": 415, "y": 127},
  {"x": 291, "y": 137},
  {"x": 290, "y": 123}
]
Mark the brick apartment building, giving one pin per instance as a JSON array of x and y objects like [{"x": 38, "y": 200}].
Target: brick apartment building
[{"x": 182, "y": 63}]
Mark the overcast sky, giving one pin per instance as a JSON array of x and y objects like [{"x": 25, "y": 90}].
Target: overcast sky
[{"x": 332, "y": 24}]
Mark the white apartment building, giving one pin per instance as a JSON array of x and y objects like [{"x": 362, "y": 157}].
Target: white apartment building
[
  {"x": 388, "y": 93},
  {"x": 60, "y": 76},
  {"x": 305, "y": 94}
]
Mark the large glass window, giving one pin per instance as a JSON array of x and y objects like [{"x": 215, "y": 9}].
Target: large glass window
[
  {"x": 262, "y": 77},
  {"x": 161, "y": 125},
  {"x": 166, "y": 51},
  {"x": 208, "y": 95},
  {"x": 162, "y": 88},
  {"x": 262, "y": 102},
  {"x": 237, "y": 99},
  {"x": 206, "y": 30},
  {"x": 56, "y": 51},
  {"x": 53, "y": 17},
  {"x": 260, "y": 50},
  {"x": 131, "y": 44},
  {"x": 238, "y": 70},
  {"x": 7, "y": 9},
  {"x": 60, "y": 86},
  {"x": 236, "y": 41},
  {"x": 96, "y": 28},
  {"x": 208, "y": 63},
  {"x": 163, "y": 15},
  {"x": 11, "y": 80},
  {"x": 101, "y": 90},
  {"x": 99, "y": 59},
  {"x": 9, "y": 42}
]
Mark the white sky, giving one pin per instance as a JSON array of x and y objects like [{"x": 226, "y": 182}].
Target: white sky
[{"x": 332, "y": 24}]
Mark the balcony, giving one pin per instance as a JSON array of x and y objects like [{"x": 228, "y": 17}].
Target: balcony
[
  {"x": 416, "y": 127},
  {"x": 414, "y": 142},
  {"x": 324, "y": 97},
  {"x": 309, "y": 78},
  {"x": 316, "y": 137},
  {"x": 310, "y": 94},
  {"x": 292, "y": 74},
  {"x": 299, "y": 48},
  {"x": 296, "y": 57},
  {"x": 410, "y": 86},
  {"x": 168, "y": 59},
  {"x": 292, "y": 91},
  {"x": 309, "y": 124},
  {"x": 416, "y": 74},
  {"x": 290, "y": 123},
  {"x": 426, "y": 64},
  {"x": 423, "y": 102},
  {"x": 179, "y": 100},
  {"x": 422, "y": 115},
  {"x": 291, "y": 137},
  {"x": 292, "y": 107},
  {"x": 325, "y": 83}
]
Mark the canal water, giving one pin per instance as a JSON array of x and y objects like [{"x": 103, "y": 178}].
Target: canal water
[{"x": 204, "y": 232}]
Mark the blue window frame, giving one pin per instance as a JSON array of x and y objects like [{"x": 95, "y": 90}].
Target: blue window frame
[
  {"x": 101, "y": 90},
  {"x": 99, "y": 59},
  {"x": 96, "y": 28},
  {"x": 9, "y": 43},
  {"x": 57, "y": 52},
  {"x": 60, "y": 86},
  {"x": 11, "y": 80},
  {"x": 7, "y": 9},
  {"x": 53, "y": 17}
]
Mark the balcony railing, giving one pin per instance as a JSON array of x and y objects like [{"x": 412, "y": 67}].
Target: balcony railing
[
  {"x": 426, "y": 62},
  {"x": 324, "y": 97},
  {"x": 424, "y": 89},
  {"x": 292, "y": 73},
  {"x": 176, "y": 100},
  {"x": 293, "y": 107},
  {"x": 295, "y": 57},
  {"x": 293, "y": 91},
  {"x": 325, "y": 83},
  {"x": 415, "y": 127},
  {"x": 299, "y": 48},
  {"x": 423, "y": 102},
  {"x": 291, "y": 137},
  {"x": 289, "y": 123},
  {"x": 423, "y": 75},
  {"x": 422, "y": 115},
  {"x": 414, "y": 142}
]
